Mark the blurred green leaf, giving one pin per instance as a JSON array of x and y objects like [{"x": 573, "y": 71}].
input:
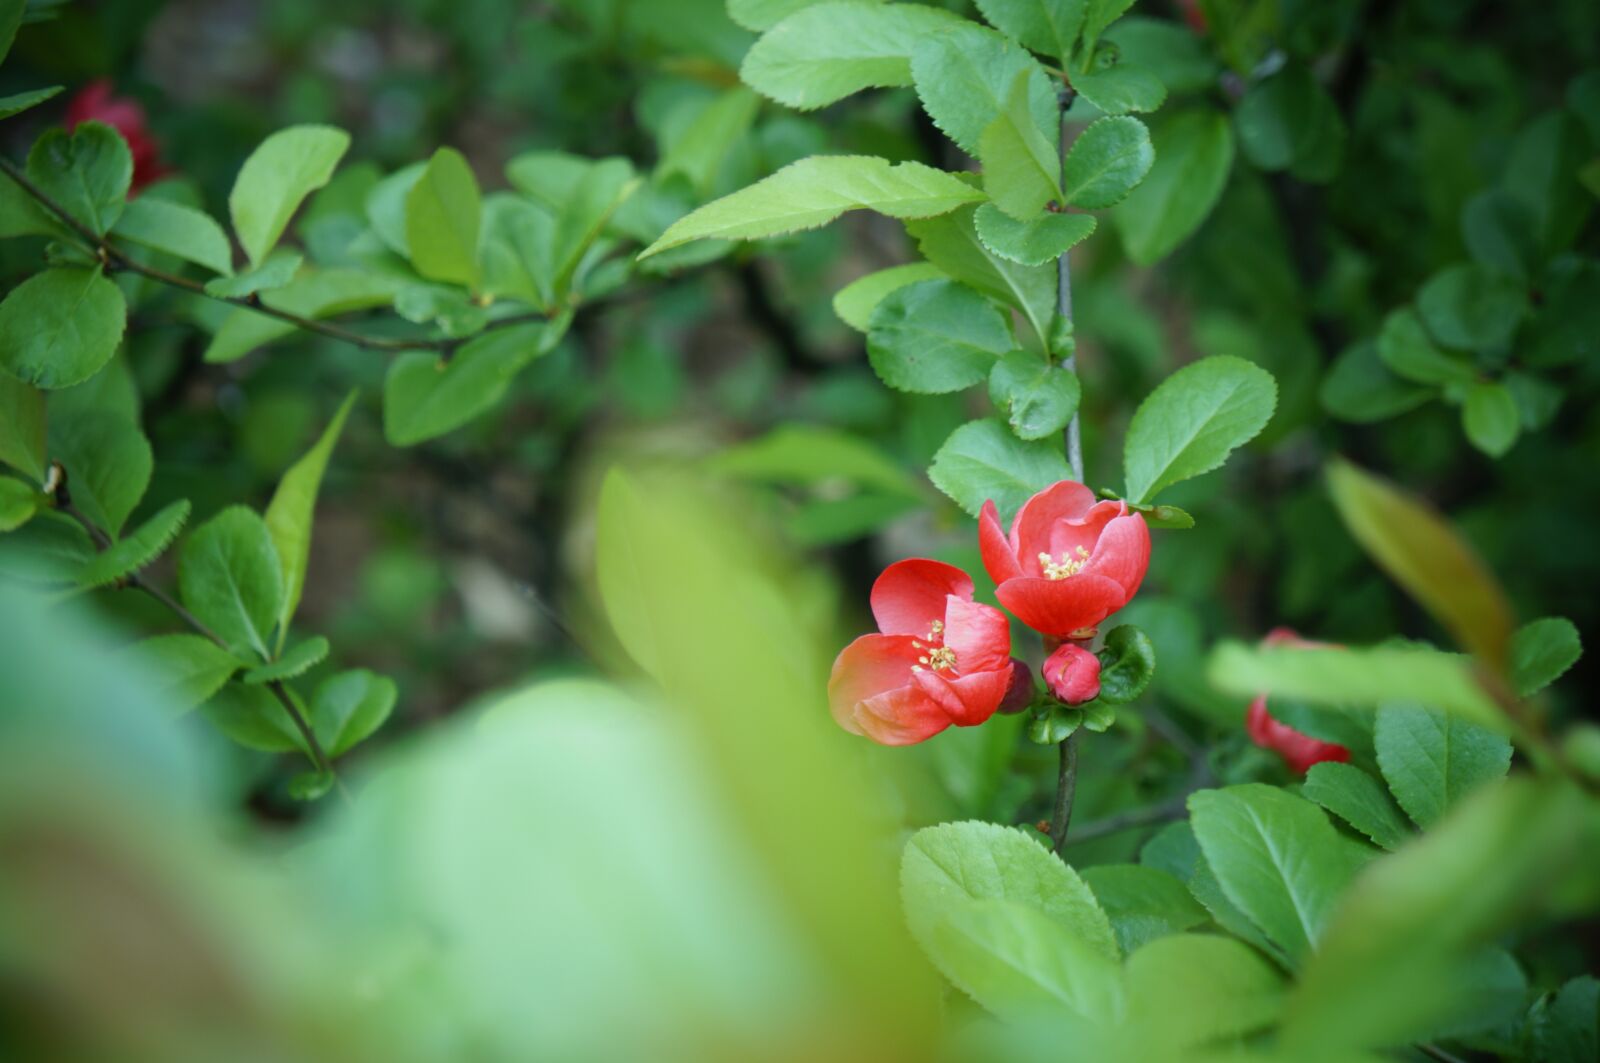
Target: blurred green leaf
[
  {"x": 346, "y": 708},
  {"x": 951, "y": 243},
  {"x": 1359, "y": 800},
  {"x": 1541, "y": 652},
  {"x": 1405, "y": 347},
  {"x": 296, "y": 661},
  {"x": 1289, "y": 122},
  {"x": 22, "y": 427},
  {"x": 443, "y": 218},
  {"x": 1565, "y": 1025},
  {"x": 58, "y": 327},
  {"x": 1143, "y": 903},
  {"x": 1193, "y": 989},
  {"x": 138, "y": 549},
  {"x": 1491, "y": 418},
  {"x": 18, "y": 502},
  {"x": 700, "y": 150},
  {"x": 183, "y": 670},
  {"x": 289, "y": 515},
  {"x": 108, "y": 462},
  {"x": 1193, "y": 421},
  {"x": 278, "y": 271},
  {"x": 285, "y": 168},
  {"x": 175, "y": 229},
  {"x": 253, "y": 717},
  {"x": 86, "y": 172},
  {"x": 425, "y": 396},
  {"x": 1467, "y": 307},
  {"x": 1499, "y": 232},
  {"x": 230, "y": 578},
  {"x": 315, "y": 294},
  {"x": 814, "y": 455},
  {"x": 1194, "y": 153},
  {"x": 1121, "y": 88},
  {"x": 1359, "y": 388}
]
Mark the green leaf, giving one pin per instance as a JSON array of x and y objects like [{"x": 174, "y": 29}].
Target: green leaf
[
  {"x": 16, "y": 103},
  {"x": 182, "y": 670},
  {"x": 348, "y": 707},
  {"x": 22, "y": 431},
  {"x": 764, "y": 14},
  {"x": 11, "y": 14},
  {"x": 1491, "y": 417},
  {"x": 443, "y": 216},
  {"x": 1106, "y": 162},
  {"x": 299, "y": 659},
  {"x": 18, "y": 503},
  {"x": 936, "y": 336},
  {"x": 1470, "y": 308},
  {"x": 277, "y": 272},
  {"x": 1021, "y": 160},
  {"x": 289, "y": 514},
  {"x": 581, "y": 194},
  {"x": 813, "y": 192},
  {"x": 1142, "y": 903},
  {"x": 1188, "y": 990},
  {"x": 1100, "y": 14},
  {"x": 108, "y": 462},
  {"x": 1431, "y": 759},
  {"x": 178, "y": 230},
  {"x": 133, "y": 552},
  {"x": 1541, "y": 170},
  {"x": 386, "y": 207},
  {"x": 57, "y": 328},
  {"x": 855, "y": 302},
  {"x": 1053, "y": 722},
  {"x": 230, "y": 578},
  {"x": 1277, "y": 858},
  {"x": 828, "y": 51},
  {"x": 1405, "y": 347},
  {"x": 1565, "y": 1026},
  {"x": 21, "y": 214},
  {"x": 1031, "y": 243},
  {"x": 1169, "y": 517},
  {"x": 1127, "y": 664},
  {"x": 1499, "y": 231},
  {"x": 983, "y": 461},
  {"x": 963, "y": 75},
  {"x": 1047, "y": 26},
  {"x": 1366, "y": 677},
  {"x": 253, "y": 717},
  {"x": 814, "y": 455},
  {"x": 288, "y": 166},
  {"x": 701, "y": 149},
  {"x": 1359, "y": 800},
  {"x": 1121, "y": 88},
  {"x": 86, "y": 171},
  {"x": 50, "y": 549},
  {"x": 1424, "y": 554},
  {"x": 314, "y": 294},
  {"x": 424, "y": 397},
  {"x": 963, "y": 862},
  {"x": 1037, "y": 397},
  {"x": 1360, "y": 389},
  {"x": 953, "y": 245},
  {"x": 1541, "y": 652},
  {"x": 1194, "y": 153},
  {"x": 1289, "y": 122},
  {"x": 1194, "y": 420}
]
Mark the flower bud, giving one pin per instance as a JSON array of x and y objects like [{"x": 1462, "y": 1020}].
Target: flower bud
[
  {"x": 1073, "y": 674},
  {"x": 1020, "y": 694}
]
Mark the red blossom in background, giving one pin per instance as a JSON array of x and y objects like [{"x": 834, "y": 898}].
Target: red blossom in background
[
  {"x": 95, "y": 103},
  {"x": 1073, "y": 674},
  {"x": 1298, "y": 750},
  {"x": 941, "y": 658},
  {"x": 1069, "y": 561}
]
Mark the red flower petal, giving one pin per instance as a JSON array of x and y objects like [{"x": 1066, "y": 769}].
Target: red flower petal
[
  {"x": 978, "y": 634},
  {"x": 1060, "y": 607},
  {"x": 999, "y": 559},
  {"x": 1299, "y": 750},
  {"x": 1123, "y": 553},
  {"x": 910, "y": 595},
  {"x": 968, "y": 700},
  {"x": 1065, "y": 500},
  {"x": 1073, "y": 674},
  {"x": 868, "y": 667},
  {"x": 900, "y": 717}
]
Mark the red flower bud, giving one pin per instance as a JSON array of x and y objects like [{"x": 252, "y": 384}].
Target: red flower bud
[
  {"x": 1073, "y": 674},
  {"x": 1299, "y": 750},
  {"x": 94, "y": 103}
]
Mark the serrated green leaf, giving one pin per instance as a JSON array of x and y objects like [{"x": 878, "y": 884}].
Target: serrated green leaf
[
  {"x": 277, "y": 272},
  {"x": 133, "y": 552},
  {"x": 1142, "y": 903},
  {"x": 1431, "y": 759},
  {"x": 58, "y": 327},
  {"x": 296, "y": 661},
  {"x": 1127, "y": 664},
  {"x": 1189, "y": 990},
  {"x": 289, "y": 514},
  {"x": 183, "y": 670},
  {"x": 253, "y": 717},
  {"x": 813, "y": 192},
  {"x": 1037, "y": 397},
  {"x": 348, "y": 707},
  {"x": 1048, "y": 26},
  {"x": 1107, "y": 161},
  {"x": 1277, "y": 858},
  {"x": 230, "y": 578},
  {"x": 936, "y": 336},
  {"x": 424, "y": 397},
  {"x": 86, "y": 171},
  {"x": 1194, "y": 420},
  {"x": 855, "y": 302},
  {"x": 1358, "y": 799},
  {"x": 1541, "y": 652},
  {"x": 1194, "y": 154},
  {"x": 16, "y": 103},
  {"x": 1491, "y": 417},
  {"x": 285, "y": 168},
  {"x": 1030, "y": 243},
  {"x": 443, "y": 217},
  {"x": 1405, "y": 347},
  {"x": 18, "y": 503},
  {"x": 178, "y": 230},
  {"x": 22, "y": 427},
  {"x": 983, "y": 461},
  {"x": 953, "y": 245},
  {"x": 108, "y": 462},
  {"x": 1169, "y": 517},
  {"x": 1021, "y": 159},
  {"x": 1121, "y": 88},
  {"x": 963, "y": 75},
  {"x": 828, "y": 51},
  {"x": 1467, "y": 307}
]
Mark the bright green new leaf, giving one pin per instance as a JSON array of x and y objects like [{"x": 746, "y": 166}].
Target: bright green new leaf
[
  {"x": 1021, "y": 159},
  {"x": 1107, "y": 161},
  {"x": 1193, "y": 421},
  {"x": 86, "y": 171},
  {"x": 1030, "y": 243},
  {"x": 137, "y": 549},
  {"x": 699, "y": 151},
  {"x": 230, "y": 578},
  {"x": 1359, "y": 800},
  {"x": 953, "y": 245},
  {"x": 276, "y": 273},
  {"x": 1471, "y": 308},
  {"x": 424, "y": 397},
  {"x": 764, "y": 14},
  {"x": 815, "y": 454},
  {"x": 963, "y": 75},
  {"x": 443, "y": 217},
  {"x": 1406, "y": 348},
  {"x": 1541, "y": 652},
  {"x": 1192, "y": 989},
  {"x": 1194, "y": 153},
  {"x": 108, "y": 463},
  {"x": 386, "y": 207},
  {"x": 1143, "y": 903},
  {"x": 183, "y": 670},
  {"x": 285, "y": 168},
  {"x": 348, "y": 707},
  {"x": 1127, "y": 664},
  {"x": 1424, "y": 554},
  {"x": 1048, "y": 26},
  {"x": 828, "y": 51},
  {"x": 1277, "y": 858},
  {"x": 175, "y": 229},
  {"x": 1037, "y": 397},
  {"x": 18, "y": 503},
  {"x": 1431, "y": 759},
  {"x": 855, "y": 302},
  {"x": 22, "y": 432},
  {"x": 296, "y": 661},
  {"x": 1121, "y": 88},
  {"x": 936, "y": 336},
  {"x": 16, "y": 103},
  {"x": 814, "y": 191},
  {"x": 984, "y": 461},
  {"x": 57, "y": 328},
  {"x": 315, "y": 294},
  {"x": 289, "y": 514},
  {"x": 1491, "y": 417}
]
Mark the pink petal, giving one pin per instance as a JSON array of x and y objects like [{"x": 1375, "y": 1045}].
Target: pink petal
[
  {"x": 910, "y": 595},
  {"x": 868, "y": 667},
  {"x": 900, "y": 717},
  {"x": 1123, "y": 553},
  {"x": 1064, "y": 500},
  {"x": 999, "y": 558},
  {"x": 979, "y": 635},
  {"x": 1060, "y": 607},
  {"x": 967, "y": 700}
]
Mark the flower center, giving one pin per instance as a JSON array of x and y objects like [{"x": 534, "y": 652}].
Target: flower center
[
  {"x": 939, "y": 656},
  {"x": 1067, "y": 566}
]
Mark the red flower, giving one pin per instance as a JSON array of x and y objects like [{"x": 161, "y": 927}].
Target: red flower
[
  {"x": 94, "y": 103},
  {"x": 1298, "y": 750},
  {"x": 941, "y": 659},
  {"x": 1069, "y": 561},
  {"x": 1073, "y": 674}
]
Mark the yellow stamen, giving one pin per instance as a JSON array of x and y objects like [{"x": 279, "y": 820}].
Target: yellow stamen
[
  {"x": 1067, "y": 566},
  {"x": 943, "y": 657}
]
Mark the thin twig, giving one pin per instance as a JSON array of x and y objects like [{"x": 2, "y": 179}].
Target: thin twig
[
  {"x": 1066, "y": 791},
  {"x": 1074, "y": 433}
]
